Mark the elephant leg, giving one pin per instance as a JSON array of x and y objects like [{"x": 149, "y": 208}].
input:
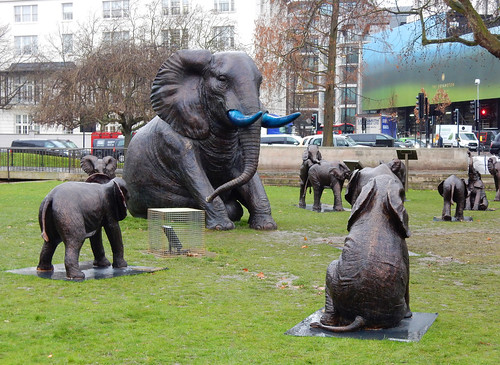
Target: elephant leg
[
  {"x": 100, "y": 259},
  {"x": 330, "y": 317},
  {"x": 477, "y": 200},
  {"x": 114, "y": 234},
  {"x": 497, "y": 196},
  {"x": 337, "y": 197},
  {"x": 318, "y": 191},
  {"x": 71, "y": 255},
  {"x": 45, "y": 262},
  {"x": 234, "y": 210},
  {"x": 302, "y": 197},
  {"x": 446, "y": 214},
  {"x": 255, "y": 199}
]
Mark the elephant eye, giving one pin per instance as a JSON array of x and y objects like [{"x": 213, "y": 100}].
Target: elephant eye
[{"x": 222, "y": 78}]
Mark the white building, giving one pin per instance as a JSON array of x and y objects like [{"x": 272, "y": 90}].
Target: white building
[{"x": 47, "y": 33}]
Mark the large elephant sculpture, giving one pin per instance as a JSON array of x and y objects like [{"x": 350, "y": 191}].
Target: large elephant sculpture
[
  {"x": 476, "y": 199},
  {"x": 494, "y": 169},
  {"x": 368, "y": 286},
  {"x": 453, "y": 190},
  {"x": 323, "y": 174},
  {"x": 202, "y": 149},
  {"x": 360, "y": 178},
  {"x": 74, "y": 211}
]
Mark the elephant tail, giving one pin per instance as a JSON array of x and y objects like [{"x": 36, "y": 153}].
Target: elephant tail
[
  {"x": 43, "y": 214},
  {"x": 452, "y": 193},
  {"x": 358, "y": 323}
]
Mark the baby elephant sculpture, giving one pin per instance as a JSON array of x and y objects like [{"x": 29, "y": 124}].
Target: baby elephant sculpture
[
  {"x": 367, "y": 287},
  {"x": 453, "y": 190},
  {"x": 310, "y": 156},
  {"x": 494, "y": 169},
  {"x": 476, "y": 199},
  {"x": 74, "y": 211}
]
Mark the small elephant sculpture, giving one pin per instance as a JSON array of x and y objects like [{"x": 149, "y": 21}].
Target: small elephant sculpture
[
  {"x": 310, "y": 156},
  {"x": 360, "y": 178},
  {"x": 202, "y": 150},
  {"x": 74, "y": 211},
  {"x": 453, "y": 190},
  {"x": 476, "y": 199},
  {"x": 494, "y": 169},
  {"x": 323, "y": 174},
  {"x": 368, "y": 286},
  {"x": 105, "y": 166}
]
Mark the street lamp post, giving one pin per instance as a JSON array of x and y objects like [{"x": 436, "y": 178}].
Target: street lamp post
[{"x": 478, "y": 117}]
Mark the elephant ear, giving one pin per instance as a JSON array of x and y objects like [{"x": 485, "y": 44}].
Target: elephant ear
[
  {"x": 491, "y": 165},
  {"x": 119, "y": 199},
  {"x": 362, "y": 202},
  {"x": 466, "y": 191},
  {"x": 176, "y": 94},
  {"x": 110, "y": 165},
  {"x": 440, "y": 188},
  {"x": 353, "y": 181},
  {"x": 87, "y": 164},
  {"x": 397, "y": 211}
]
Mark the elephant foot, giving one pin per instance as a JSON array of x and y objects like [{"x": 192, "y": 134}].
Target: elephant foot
[
  {"x": 75, "y": 275},
  {"x": 219, "y": 225},
  {"x": 408, "y": 313},
  {"x": 316, "y": 208},
  {"x": 302, "y": 204},
  {"x": 263, "y": 222},
  {"x": 119, "y": 263},
  {"x": 103, "y": 262},
  {"x": 446, "y": 217},
  {"x": 339, "y": 209},
  {"x": 47, "y": 267},
  {"x": 329, "y": 319}
]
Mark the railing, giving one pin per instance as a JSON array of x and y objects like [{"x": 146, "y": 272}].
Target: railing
[{"x": 51, "y": 159}]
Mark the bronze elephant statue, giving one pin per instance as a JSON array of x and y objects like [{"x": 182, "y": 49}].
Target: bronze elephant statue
[
  {"x": 476, "y": 199},
  {"x": 494, "y": 169},
  {"x": 368, "y": 286},
  {"x": 74, "y": 211},
  {"x": 453, "y": 190},
  {"x": 202, "y": 150}
]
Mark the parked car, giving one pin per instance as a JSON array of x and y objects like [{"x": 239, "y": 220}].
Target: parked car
[
  {"x": 41, "y": 146},
  {"x": 373, "y": 139},
  {"x": 74, "y": 150},
  {"x": 109, "y": 147},
  {"x": 338, "y": 141},
  {"x": 495, "y": 145},
  {"x": 280, "y": 139},
  {"x": 485, "y": 138}
]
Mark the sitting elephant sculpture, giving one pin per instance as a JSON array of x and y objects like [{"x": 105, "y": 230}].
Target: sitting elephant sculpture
[
  {"x": 74, "y": 211},
  {"x": 360, "y": 178},
  {"x": 494, "y": 169},
  {"x": 106, "y": 167},
  {"x": 326, "y": 173},
  {"x": 202, "y": 150},
  {"x": 453, "y": 190},
  {"x": 476, "y": 199},
  {"x": 368, "y": 286}
]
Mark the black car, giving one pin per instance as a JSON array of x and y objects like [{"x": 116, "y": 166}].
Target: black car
[
  {"x": 495, "y": 145},
  {"x": 40, "y": 146}
]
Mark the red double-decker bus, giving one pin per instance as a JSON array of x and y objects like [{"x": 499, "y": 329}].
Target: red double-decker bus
[{"x": 343, "y": 128}]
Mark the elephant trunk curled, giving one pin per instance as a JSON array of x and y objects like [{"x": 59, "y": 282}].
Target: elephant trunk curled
[{"x": 249, "y": 139}]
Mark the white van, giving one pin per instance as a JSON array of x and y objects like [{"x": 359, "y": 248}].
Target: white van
[{"x": 466, "y": 138}]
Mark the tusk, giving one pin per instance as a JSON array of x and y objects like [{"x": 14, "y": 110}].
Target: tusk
[
  {"x": 241, "y": 120},
  {"x": 275, "y": 121}
]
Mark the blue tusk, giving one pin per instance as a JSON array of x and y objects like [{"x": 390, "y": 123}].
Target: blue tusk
[
  {"x": 275, "y": 121},
  {"x": 241, "y": 120}
]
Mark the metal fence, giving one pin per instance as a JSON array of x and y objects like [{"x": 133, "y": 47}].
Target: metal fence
[{"x": 51, "y": 159}]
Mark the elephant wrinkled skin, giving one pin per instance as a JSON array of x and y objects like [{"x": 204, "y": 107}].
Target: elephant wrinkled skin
[
  {"x": 368, "y": 286},
  {"x": 453, "y": 190},
  {"x": 74, "y": 211},
  {"x": 202, "y": 149}
]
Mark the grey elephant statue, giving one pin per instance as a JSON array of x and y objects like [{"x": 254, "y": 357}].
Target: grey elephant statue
[
  {"x": 494, "y": 169},
  {"x": 202, "y": 149},
  {"x": 74, "y": 211},
  {"x": 360, "y": 178},
  {"x": 453, "y": 190},
  {"x": 476, "y": 199},
  {"x": 105, "y": 166},
  {"x": 368, "y": 286},
  {"x": 310, "y": 156},
  {"x": 323, "y": 174}
]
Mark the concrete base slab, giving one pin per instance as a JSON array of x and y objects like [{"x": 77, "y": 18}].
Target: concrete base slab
[
  {"x": 408, "y": 330},
  {"x": 325, "y": 208},
  {"x": 88, "y": 269},
  {"x": 453, "y": 219}
]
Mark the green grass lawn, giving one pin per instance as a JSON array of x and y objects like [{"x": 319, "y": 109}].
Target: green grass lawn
[{"x": 234, "y": 305}]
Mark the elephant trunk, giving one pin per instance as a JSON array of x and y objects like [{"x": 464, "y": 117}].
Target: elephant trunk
[{"x": 249, "y": 138}]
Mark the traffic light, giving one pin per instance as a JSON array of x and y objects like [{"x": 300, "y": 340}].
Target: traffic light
[
  {"x": 455, "y": 115},
  {"x": 314, "y": 121},
  {"x": 484, "y": 112},
  {"x": 420, "y": 105},
  {"x": 472, "y": 107}
]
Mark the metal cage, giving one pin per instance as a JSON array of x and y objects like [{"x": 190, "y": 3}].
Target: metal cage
[{"x": 176, "y": 231}]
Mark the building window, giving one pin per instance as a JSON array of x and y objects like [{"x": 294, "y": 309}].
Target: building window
[
  {"x": 175, "y": 7},
  {"x": 224, "y": 37},
  {"x": 25, "y": 13},
  {"x": 223, "y": 5},
  {"x": 111, "y": 37},
  {"x": 26, "y": 45},
  {"x": 349, "y": 95},
  {"x": 115, "y": 9},
  {"x": 27, "y": 91},
  {"x": 348, "y": 115},
  {"x": 24, "y": 124},
  {"x": 67, "y": 43},
  {"x": 67, "y": 11},
  {"x": 175, "y": 38}
]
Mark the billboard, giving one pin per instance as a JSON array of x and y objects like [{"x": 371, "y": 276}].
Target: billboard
[{"x": 397, "y": 67}]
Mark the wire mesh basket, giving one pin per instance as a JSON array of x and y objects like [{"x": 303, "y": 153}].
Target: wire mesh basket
[{"x": 176, "y": 231}]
